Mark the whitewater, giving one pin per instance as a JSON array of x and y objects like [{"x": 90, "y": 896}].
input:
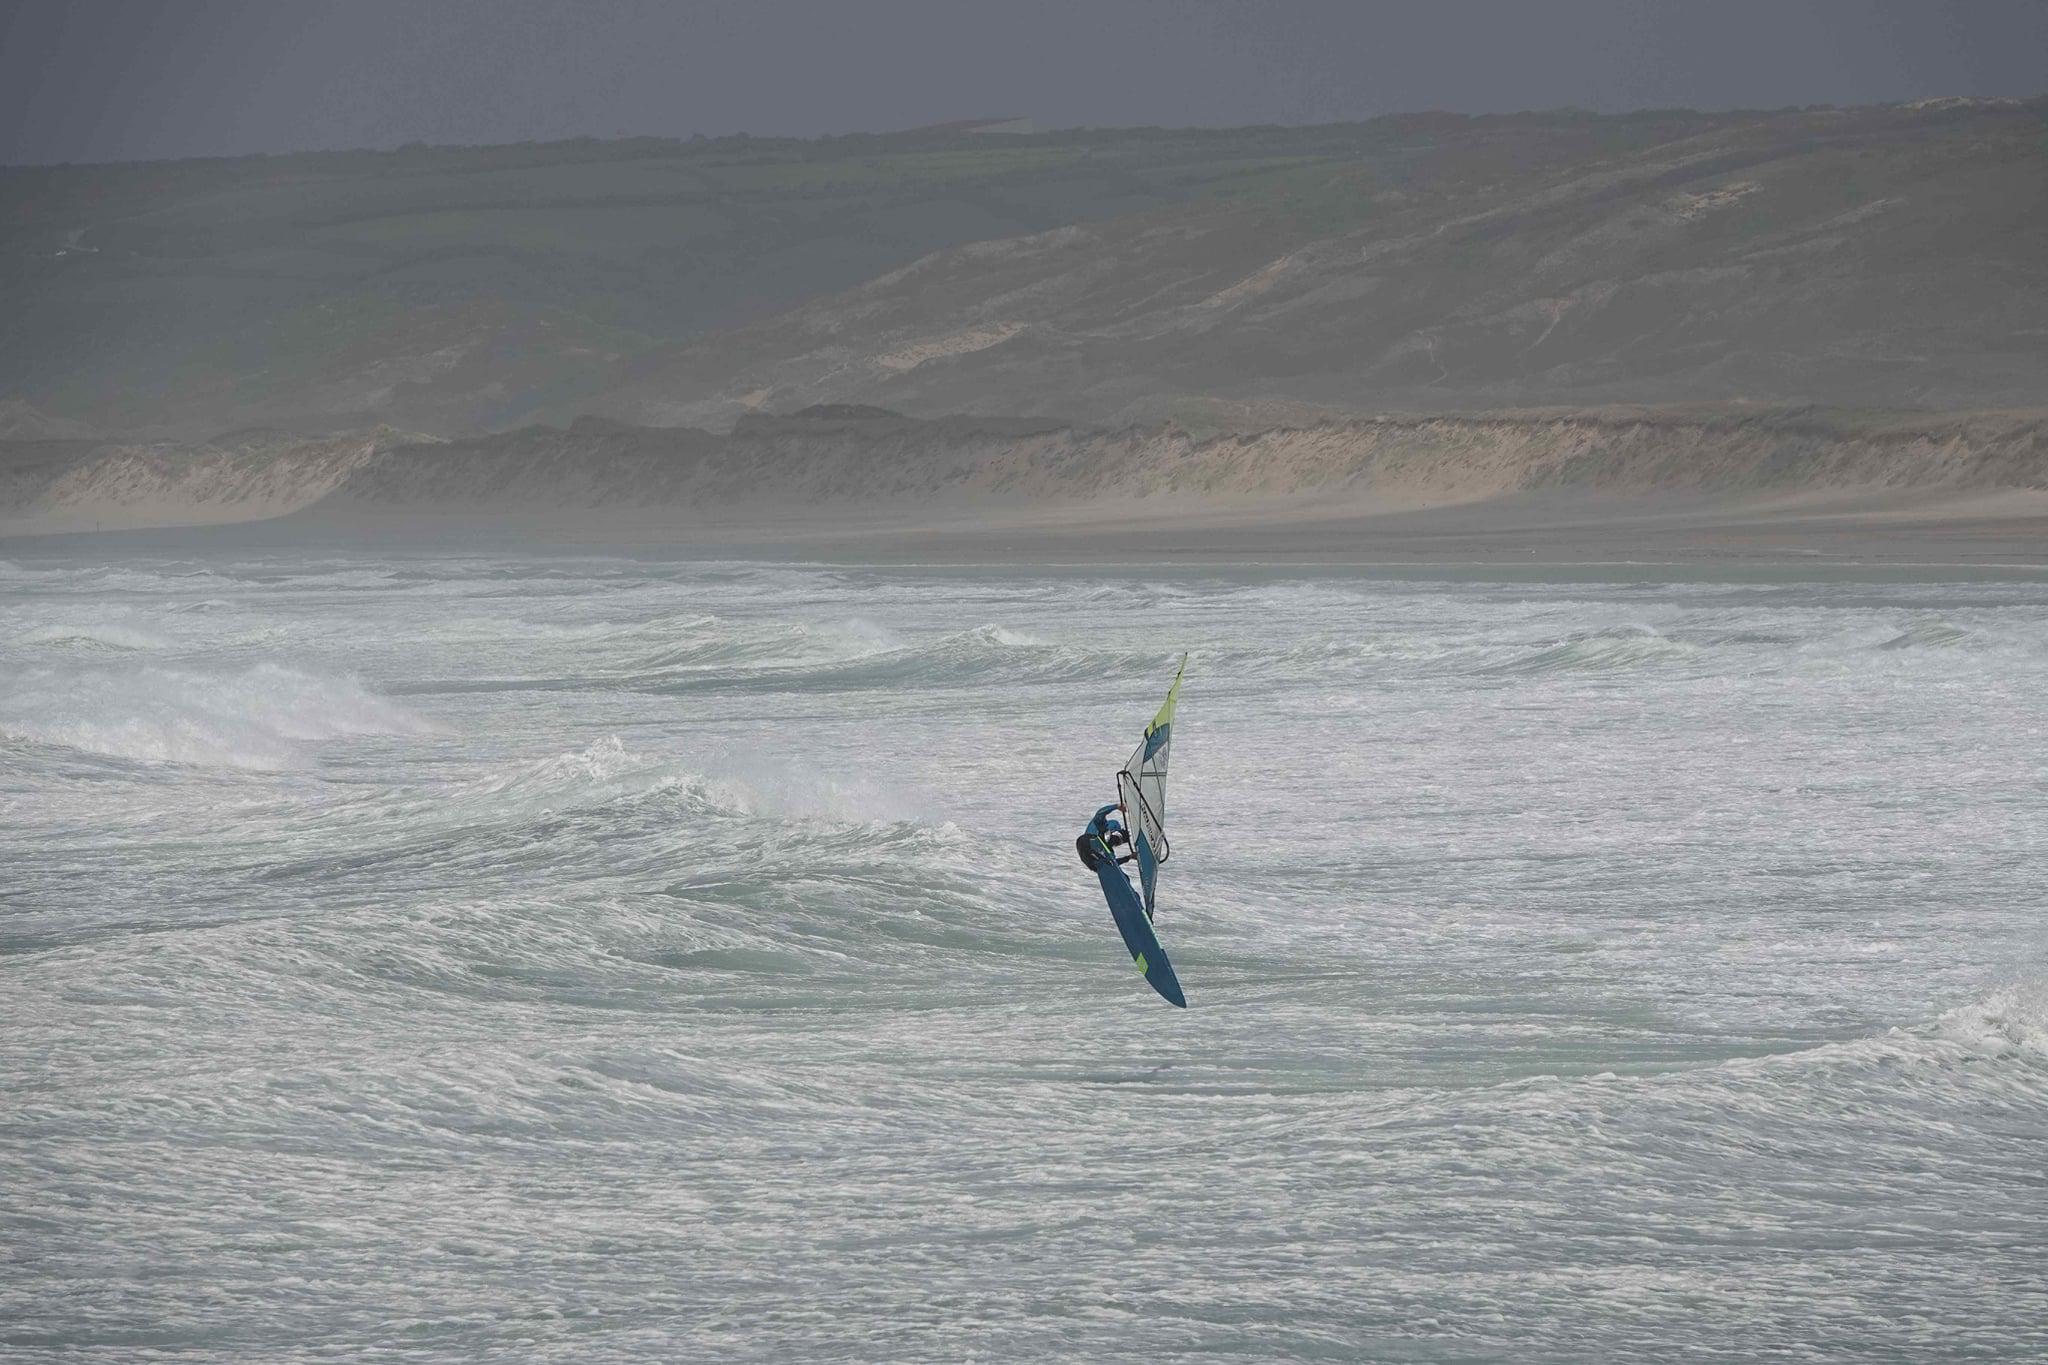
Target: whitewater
[{"x": 489, "y": 957}]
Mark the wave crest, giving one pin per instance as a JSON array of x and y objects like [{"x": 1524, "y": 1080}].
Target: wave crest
[
  {"x": 725, "y": 785},
  {"x": 99, "y": 636},
  {"x": 1597, "y": 651},
  {"x": 264, "y": 717}
]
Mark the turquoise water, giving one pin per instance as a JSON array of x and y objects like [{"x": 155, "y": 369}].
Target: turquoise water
[{"x": 588, "y": 960}]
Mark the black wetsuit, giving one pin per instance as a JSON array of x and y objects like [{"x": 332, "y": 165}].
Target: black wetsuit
[{"x": 1098, "y": 843}]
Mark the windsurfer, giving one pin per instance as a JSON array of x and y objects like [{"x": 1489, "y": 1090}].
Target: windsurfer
[{"x": 1099, "y": 841}]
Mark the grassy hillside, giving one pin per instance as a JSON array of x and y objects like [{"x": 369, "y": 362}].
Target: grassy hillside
[{"x": 1895, "y": 256}]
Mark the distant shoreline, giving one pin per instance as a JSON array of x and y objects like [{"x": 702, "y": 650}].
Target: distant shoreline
[{"x": 2004, "y": 536}]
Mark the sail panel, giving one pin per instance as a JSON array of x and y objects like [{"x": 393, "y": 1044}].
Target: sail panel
[
  {"x": 1141, "y": 790},
  {"x": 1148, "y": 872}
]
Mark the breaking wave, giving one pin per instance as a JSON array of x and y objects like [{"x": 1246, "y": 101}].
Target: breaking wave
[
  {"x": 2006, "y": 1028},
  {"x": 718, "y": 783},
  {"x": 263, "y": 717},
  {"x": 97, "y": 637},
  {"x": 2011, "y": 1022}
]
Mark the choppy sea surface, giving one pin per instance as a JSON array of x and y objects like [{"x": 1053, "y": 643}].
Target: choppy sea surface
[{"x": 477, "y": 958}]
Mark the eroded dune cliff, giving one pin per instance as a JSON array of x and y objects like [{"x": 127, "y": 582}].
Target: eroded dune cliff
[{"x": 881, "y": 467}]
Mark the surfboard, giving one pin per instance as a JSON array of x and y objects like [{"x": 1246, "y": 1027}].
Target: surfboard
[{"x": 1129, "y": 913}]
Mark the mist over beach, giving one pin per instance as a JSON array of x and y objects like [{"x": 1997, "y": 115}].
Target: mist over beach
[{"x": 569, "y": 577}]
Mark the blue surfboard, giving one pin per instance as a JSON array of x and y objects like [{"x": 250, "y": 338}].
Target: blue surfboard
[{"x": 1133, "y": 924}]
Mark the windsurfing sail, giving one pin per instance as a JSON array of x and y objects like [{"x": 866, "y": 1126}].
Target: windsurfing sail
[
  {"x": 1141, "y": 791},
  {"x": 1141, "y": 795}
]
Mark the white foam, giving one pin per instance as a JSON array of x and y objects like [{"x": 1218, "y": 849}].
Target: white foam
[
  {"x": 98, "y": 635},
  {"x": 757, "y": 784},
  {"x": 2011, "y": 1020},
  {"x": 262, "y": 717},
  {"x": 719, "y": 781}
]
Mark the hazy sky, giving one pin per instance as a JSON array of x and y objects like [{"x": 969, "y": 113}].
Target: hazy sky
[{"x": 121, "y": 79}]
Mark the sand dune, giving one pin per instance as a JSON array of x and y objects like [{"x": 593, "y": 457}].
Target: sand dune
[{"x": 847, "y": 475}]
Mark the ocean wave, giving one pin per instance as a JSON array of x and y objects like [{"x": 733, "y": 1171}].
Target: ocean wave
[
  {"x": 724, "y": 832},
  {"x": 717, "y": 783},
  {"x": 2011, "y": 1022},
  {"x": 1927, "y": 635},
  {"x": 1613, "y": 649},
  {"x": 963, "y": 657},
  {"x": 104, "y": 636},
  {"x": 2007, "y": 1025},
  {"x": 711, "y": 643},
  {"x": 263, "y": 717}
]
